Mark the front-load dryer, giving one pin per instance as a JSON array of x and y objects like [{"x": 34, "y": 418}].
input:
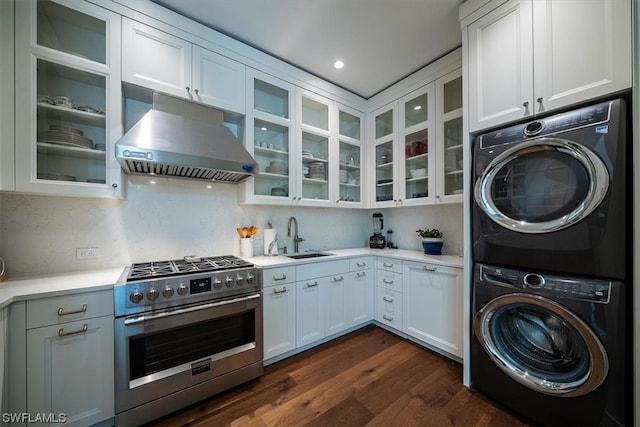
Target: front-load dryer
[
  {"x": 551, "y": 347},
  {"x": 551, "y": 194}
]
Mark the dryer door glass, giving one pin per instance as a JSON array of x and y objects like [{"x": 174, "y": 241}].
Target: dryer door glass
[
  {"x": 542, "y": 186},
  {"x": 542, "y": 345}
]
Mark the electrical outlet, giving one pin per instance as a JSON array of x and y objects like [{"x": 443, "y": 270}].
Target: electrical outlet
[{"x": 85, "y": 253}]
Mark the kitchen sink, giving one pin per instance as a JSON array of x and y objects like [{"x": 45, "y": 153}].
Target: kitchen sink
[{"x": 305, "y": 255}]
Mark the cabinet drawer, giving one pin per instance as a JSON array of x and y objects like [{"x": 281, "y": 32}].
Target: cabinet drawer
[
  {"x": 278, "y": 275},
  {"x": 389, "y": 264},
  {"x": 67, "y": 308},
  {"x": 389, "y": 280},
  {"x": 320, "y": 269},
  {"x": 361, "y": 263},
  {"x": 389, "y": 307}
]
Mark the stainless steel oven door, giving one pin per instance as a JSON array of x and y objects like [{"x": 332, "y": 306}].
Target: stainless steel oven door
[
  {"x": 542, "y": 185},
  {"x": 162, "y": 352}
]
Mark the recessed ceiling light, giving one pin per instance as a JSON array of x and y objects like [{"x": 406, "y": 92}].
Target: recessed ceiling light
[
  {"x": 338, "y": 64},
  {"x": 417, "y": 107}
]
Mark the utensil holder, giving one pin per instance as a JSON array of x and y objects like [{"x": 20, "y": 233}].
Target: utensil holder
[{"x": 246, "y": 247}]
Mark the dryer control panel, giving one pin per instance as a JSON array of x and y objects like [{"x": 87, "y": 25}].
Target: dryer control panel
[
  {"x": 548, "y": 284},
  {"x": 587, "y": 116}
]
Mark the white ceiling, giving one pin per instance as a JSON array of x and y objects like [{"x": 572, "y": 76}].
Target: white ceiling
[{"x": 380, "y": 41}]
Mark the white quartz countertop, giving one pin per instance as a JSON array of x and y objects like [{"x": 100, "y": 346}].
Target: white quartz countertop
[
  {"x": 401, "y": 254},
  {"x": 46, "y": 286}
]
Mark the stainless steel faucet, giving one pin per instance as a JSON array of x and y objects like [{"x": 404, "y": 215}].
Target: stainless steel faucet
[{"x": 296, "y": 239}]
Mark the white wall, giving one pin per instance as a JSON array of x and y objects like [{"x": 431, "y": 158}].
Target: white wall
[{"x": 174, "y": 218}]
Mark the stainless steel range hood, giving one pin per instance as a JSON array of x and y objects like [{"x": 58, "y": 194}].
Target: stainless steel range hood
[{"x": 183, "y": 139}]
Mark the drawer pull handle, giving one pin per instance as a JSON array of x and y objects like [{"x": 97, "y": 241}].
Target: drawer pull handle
[
  {"x": 389, "y": 318},
  {"x": 388, "y": 281},
  {"x": 361, "y": 274},
  {"x": 61, "y": 311},
  {"x": 283, "y": 277},
  {"x": 281, "y": 291},
  {"x": 361, "y": 264},
  {"x": 386, "y": 264},
  {"x": 312, "y": 285},
  {"x": 387, "y": 299},
  {"x": 338, "y": 279},
  {"x": 62, "y": 333},
  {"x": 427, "y": 268}
]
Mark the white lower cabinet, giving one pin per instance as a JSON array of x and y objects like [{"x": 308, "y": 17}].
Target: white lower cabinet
[
  {"x": 279, "y": 308},
  {"x": 309, "y": 310},
  {"x": 359, "y": 291},
  {"x": 69, "y": 366},
  {"x": 432, "y": 305}
]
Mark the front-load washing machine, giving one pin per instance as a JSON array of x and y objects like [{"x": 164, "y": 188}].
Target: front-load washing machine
[
  {"x": 551, "y": 194},
  {"x": 551, "y": 347}
]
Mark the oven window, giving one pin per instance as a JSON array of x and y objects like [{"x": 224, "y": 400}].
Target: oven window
[
  {"x": 540, "y": 342},
  {"x": 173, "y": 347},
  {"x": 540, "y": 186}
]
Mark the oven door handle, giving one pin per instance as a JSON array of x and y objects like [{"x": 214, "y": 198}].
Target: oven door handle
[{"x": 148, "y": 317}]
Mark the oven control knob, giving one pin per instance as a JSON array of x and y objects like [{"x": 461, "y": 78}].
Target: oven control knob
[
  {"x": 239, "y": 280},
  {"x": 167, "y": 292},
  {"x": 136, "y": 297},
  {"x": 152, "y": 294},
  {"x": 217, "y": 283},
  {"x": 182, "y": 289},
  {"x": 249, "y": 278},
  {"x": 228, "y": 281}
]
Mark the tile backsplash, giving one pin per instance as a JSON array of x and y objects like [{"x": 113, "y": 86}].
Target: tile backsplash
[{"x": 172, "y": 218}]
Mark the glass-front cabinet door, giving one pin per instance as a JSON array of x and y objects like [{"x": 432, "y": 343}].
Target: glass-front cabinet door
[
  {"x": 450, "y": 158},
  {"x": 350, "y": 155},
  {"x": 384, "y": 174},
  {"x": 68, "y": 109},
  {"x": 315, "y": 169},
  {"x": 417, "y": 170},
  {"x": 269, "y": 139}
]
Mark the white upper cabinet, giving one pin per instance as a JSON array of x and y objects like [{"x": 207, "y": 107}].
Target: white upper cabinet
[
  {"x": 68, "y": 111},
  {"x": 416, "y": 149},
  {"x": 308, "y": 147},
  {"x": 528, "y": 57},
  {"x": 160, "y": 61}
]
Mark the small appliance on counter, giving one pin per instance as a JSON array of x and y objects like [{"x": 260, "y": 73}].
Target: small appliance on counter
[{"x": 377, "y": 241}]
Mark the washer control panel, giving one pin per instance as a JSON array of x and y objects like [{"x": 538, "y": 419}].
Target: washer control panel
[{"x": 548, "y": 284}]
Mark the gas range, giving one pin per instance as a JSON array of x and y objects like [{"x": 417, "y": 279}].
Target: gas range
[{"x": 154, "y": 285}]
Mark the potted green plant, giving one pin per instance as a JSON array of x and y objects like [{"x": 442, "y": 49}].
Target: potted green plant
[{"x": 432, "y": 241}]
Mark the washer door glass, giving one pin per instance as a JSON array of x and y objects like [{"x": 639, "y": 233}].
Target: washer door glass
[
  {"x": 542, "y": 345},
  {"x": 542, "y": 185}
]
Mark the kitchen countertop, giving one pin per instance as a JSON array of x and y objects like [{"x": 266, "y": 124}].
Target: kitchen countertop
[
  {"x": 21, "y": 289},
  {"x": 402, "y": 254},
  {"x": 46, "y": 286}
]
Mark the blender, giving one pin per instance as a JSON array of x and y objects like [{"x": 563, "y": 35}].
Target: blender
[{"x": 377, "y": 241}]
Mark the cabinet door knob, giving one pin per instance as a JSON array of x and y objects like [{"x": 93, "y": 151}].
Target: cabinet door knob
[
  {"x": 525, "y": 104},
  {"x": 188, "y": 89},
  {"x": 197, "y": 92},
  {"x": 114, "y": 185},
  {"x": 539, "y": 100}
]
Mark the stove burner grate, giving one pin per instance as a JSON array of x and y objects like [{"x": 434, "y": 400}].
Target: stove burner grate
[{"x": 153, "y": 269}]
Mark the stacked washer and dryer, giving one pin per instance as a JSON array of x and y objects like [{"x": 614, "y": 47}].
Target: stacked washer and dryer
[{"x": 551, "y": 234}]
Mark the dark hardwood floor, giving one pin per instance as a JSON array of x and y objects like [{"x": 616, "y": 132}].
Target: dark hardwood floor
[{"x": 369, "y": 377}]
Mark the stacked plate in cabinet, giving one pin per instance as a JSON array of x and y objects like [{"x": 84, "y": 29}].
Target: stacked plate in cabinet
[
  {"x": 316, "y": 170},
  {"x": 64, "y": 135},
  {"x": 278, "y": 167}
]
